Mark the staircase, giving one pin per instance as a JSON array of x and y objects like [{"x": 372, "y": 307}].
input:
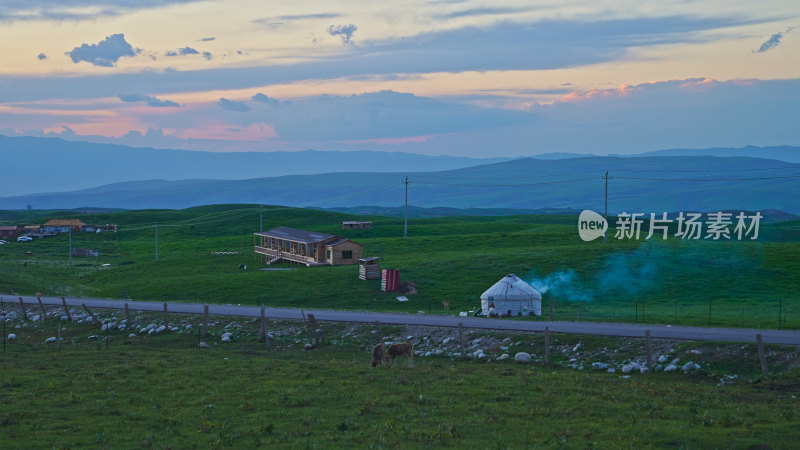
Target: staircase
[{"x": 273, "y": 260}]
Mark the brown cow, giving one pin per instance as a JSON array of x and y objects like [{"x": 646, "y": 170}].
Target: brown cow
[
  {"x": 378, "y": 354},
  {"x": 399, "y": 349}
]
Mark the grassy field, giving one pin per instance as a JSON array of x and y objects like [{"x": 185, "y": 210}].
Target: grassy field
[
  {"x": 741, "y": 283},
  {"x": 163, "y": 391}
]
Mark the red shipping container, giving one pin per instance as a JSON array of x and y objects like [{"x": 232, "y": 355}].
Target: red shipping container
[{"x": 390, "y": 280}]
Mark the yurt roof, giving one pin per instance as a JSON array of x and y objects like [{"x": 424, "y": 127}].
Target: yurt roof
[{"x": 511, "y": 287}]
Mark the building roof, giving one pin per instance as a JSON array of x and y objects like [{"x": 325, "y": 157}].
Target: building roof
[
  {"x": 353, "y": 222},
  {"x": 339, "y": 241},
  {"x": 292, "y": 234},
  {"x": 8, "y": 228},
  {"x": 511, "y": 287},
  {"x": 64, "y": 223}
]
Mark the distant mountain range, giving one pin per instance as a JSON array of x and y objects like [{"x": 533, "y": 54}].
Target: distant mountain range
[
  {"x": 55, "y": 165},
  {"x": 642, "y": 184}
]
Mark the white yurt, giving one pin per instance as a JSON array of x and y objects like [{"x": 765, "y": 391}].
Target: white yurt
[{"x": 511, "y": 296}]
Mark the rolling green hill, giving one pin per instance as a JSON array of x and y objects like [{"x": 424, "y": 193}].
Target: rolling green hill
[{"x": 750, "y": 283}]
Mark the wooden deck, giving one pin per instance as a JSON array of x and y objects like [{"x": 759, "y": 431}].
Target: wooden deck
[{"x": 274, "y": 253}]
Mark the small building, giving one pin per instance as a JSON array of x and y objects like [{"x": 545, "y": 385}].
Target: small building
[
  {"x": 353, "y": 225},
  {"x": 305, "y": 247},
  {"x": 63, "y": 226},
  {"x": 32, "y": 229},
  {"x": 9, "y": 232},
  {"x": 369, "y": 268},
  {"x": 511, "y": 297}
]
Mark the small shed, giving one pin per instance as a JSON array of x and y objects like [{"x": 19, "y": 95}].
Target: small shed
[
  {"x": 355, "y": 225},
  {"x": 511, "y": 297},
  {"x": 369, "y": 268}
]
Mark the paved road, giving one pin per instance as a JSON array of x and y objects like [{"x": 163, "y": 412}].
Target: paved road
[{"x": 591, "y": 328}]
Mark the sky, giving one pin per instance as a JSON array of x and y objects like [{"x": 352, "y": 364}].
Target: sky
[{"x": 448, "y": 77}]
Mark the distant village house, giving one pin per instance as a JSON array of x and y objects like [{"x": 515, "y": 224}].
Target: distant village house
[
  {"x": 9, "y": 232},
  {"x": 353, "y": 225},
  {"x": 305, "y": 247}
]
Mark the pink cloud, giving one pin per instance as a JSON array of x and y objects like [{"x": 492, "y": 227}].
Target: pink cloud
[{"x": 222, "y": 131}]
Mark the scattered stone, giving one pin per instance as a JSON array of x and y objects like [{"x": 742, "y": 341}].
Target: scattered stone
[
  {"x": 50, "y": 339},
  {"x": 503, "y": 357},
  {"x": 308, "y": 346},
  {"x": 132, "y": 335},
  {"x": 599, "y": 366},
  {"x": 446, "y": 341},
  {"x": 696, "y": 352},
  {"x": 627, "y": 368},
  {"x": 611, "y": 370},
  {"x": 12, "y": 337},
  {"x": 477, "y": 341},
  {"x": 662, "y": 359},
  {"x": 428, "y": 353},
  {"x": 522, "y": 357},
  {"x": 671, "y": 368},
  {"x": 438, "y": 353},
  {"x": 36, "y": 318},
  {"x": 577, "y": 346},
  {"x": 203, "y": 345}
]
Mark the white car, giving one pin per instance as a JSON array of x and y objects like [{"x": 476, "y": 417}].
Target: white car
[
  {"x": 3, "y": 242},
  {"x": 24, "y": 239}
]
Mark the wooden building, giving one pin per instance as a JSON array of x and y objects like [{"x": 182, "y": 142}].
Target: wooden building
[
  {"x": 64, "y": 226},
  {"x": 353, "y": 225},
  {"x": 9, "y": 232},
  {"x": 305, "y": 247},
  {"x": 369, "y": 268}
]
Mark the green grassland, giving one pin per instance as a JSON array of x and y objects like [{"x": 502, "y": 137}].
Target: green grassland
[
  {"x": 163, "y": 391},
  {"x": 744, "y": 283}
]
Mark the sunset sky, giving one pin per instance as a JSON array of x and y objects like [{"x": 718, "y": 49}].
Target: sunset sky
[{"x": 470, "y": 78}]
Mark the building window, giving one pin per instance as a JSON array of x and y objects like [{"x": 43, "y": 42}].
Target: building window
[{"x": 347, "y": 254}]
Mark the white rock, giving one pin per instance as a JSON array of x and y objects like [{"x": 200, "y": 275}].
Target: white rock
[
  {"x": 522, "y": 357},
  {"x": 161, "y": 329},
  {"x": 671, "y": 368},
  {"x": 144, "y": 330},
  {"x": 122, "y": 327},
  {"x": 696, "y": 352},
  {"x": 688, "y": 366},
  {"x": 438, "y": 353},
  {"x": 580, "y": 367},
  {"x": 611, "y": 370},
  {"x": 227, "y": 338},
  {"x": 428, "y": 353},
  {"x": 446, "y": 341},
  {"x": 12, "y": 337},
  {"x": 659, "y": 367},
  {"x": 599, "y": 366},
  {"x": 203, "y": 345},
  {"x": 477, "y": 341},
  {"x": 408, "y": 338},
  {"x": 420, "y": 312},
  {"x": 50, "y": 339},
  {"x": 36, "y": 318},
  {"x": 506, "y": 340},
  {"x": 188, "y": 326},
  {"x": 676, "y": 361},
  {"x": 627, "y": 368},
  {"x": 482, "y": 355},
  {"x": 308, "y": 347},
  {"x": 89, "y": 319},
  {"x": 152, "y": 331},
  {"x": 64, "y": 318},
  {"x": 132, "y": 335},
  {"x": 504, "y": 357},
  {"x": 107, "y": 326},
  {"x": 577, "y": 346}
]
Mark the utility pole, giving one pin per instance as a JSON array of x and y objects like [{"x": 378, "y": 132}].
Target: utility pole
[
  {"x": 405, "y": 225},
  {"x": 156, "y": 241},
  {"x": 70, "y": 246},
  {"x": 605, "y": 214}
]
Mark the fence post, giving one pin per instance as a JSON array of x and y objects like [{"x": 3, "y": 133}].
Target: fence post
[
  {"x": 461, "y": 338},
  {"x": 649, "y": 352},
  {"x": 58, "y": 336},
  {"x": 166, "y": 316},
  {"x": 89, "y": 311},
  {"x": 22, "y": 305},
  {"x": 263, "y": 325},
  {"x": 66, "y": 310},
  {"x": 205, "y": 320},
  {"x": 127, "y": 315},
  {"x": 762, "y": 356},
  {"x": 547, "y": 346},
  {"x": 41, "y": 305}
]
